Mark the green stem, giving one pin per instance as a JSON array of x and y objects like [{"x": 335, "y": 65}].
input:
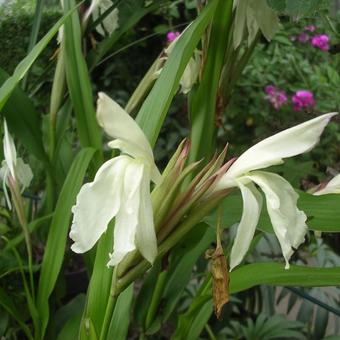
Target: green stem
[
  {"x": 110, "y": 306},
  {"x": 157, "y": 294},
  {"x": 19, "y": 208}
]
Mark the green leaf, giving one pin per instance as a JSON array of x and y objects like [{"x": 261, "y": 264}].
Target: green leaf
[
  {"x": 23, "y": 120},
  {"x": 130, "y": 13},
  {"x": 322, "y": 211},
  {"x": 7, "y": 303},
  {"x": 56, "y": 241},
  {"x": 155, "y": 107},
  {"x": 20, "y": 71},
  {"x": 78, "y": 82},
  {"x": 274, "y": 274},
  {"x": 121, "y": 316}
]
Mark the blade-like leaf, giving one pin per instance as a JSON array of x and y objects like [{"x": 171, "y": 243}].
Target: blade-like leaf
[
  {"x": 275, "y": 274},
  {"x": 23, "y": 120},
  {"x": 78, "y": 82},
  {"x": 156, "y": 105},
  {"x": 55, "y": 246},
  {"x": 20, "y": 71}
]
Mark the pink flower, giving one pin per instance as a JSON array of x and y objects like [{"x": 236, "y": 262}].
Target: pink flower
[
  {"x": 303, "y": 99},
  {"x": 171, "y": 36},
  {"x": 303, "y": 37},
  {"x": 310, "y": 28},
  {"x": 275, "y": 96},
  {"x": 321, "y": 41}
]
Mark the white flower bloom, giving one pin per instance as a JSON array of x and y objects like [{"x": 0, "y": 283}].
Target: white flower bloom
[
  {"x": 332, "y": 187},
  {"x": 110, "y": 22},
  {"x": 289, "y": 223},
  {"x": 121, "y": 189},
  {"x": 13, "y": 166}
]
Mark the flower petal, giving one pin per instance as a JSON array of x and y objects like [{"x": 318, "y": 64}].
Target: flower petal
[
  {"x": 127, "y": 218},
  {"x": 9, "y": 151},
  {"x": 332, "y": 187},
  {"x": 271, "y": 151},
  {"x": 289, "y": 223},
  {"x": 118, "y": 124},
  {"x": 146, "y": 236},
  {"x": 252, "y": 204},
  {"x": 24, "y": 174},
  {"x": 97, "y": 203}
]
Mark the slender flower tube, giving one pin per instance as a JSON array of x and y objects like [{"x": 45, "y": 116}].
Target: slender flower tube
[
  {"x": 332, "y": 187},
  {"x": 289, "y": 223},
  {"x": 121, "y": 189}
]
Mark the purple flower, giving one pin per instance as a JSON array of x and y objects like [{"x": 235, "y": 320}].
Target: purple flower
[
  {"x": 171, "y": 36},
  {"x": 303, "y": 99},
  {"x": 275, "y": 96},
  {"x": 321, "y": 41},
  {"x": 310, "y": 28},
  {"x": 303, "y": 37}
]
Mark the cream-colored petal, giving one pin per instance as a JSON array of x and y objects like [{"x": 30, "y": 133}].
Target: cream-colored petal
[
  {"x": 271, "y": 151},
  {"x": 9, "y": 151},
  {"x": 127, "y": 218},
  {"x": 97, "y": 203},
  {"x": 118, "y": 124},
  {"x": 332, "y": 187},
  {"x": 146, "y": 236},
  {"x": 4, "y": 173},
  {"x": 289, "y": 223},
  {"x": 252, "y": 204},
  {"x": 190, "y": 74},
  {"x": 24, "y": 174}
]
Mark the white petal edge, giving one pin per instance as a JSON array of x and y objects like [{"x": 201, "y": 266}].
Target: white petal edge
[
  {"x": 146, "y": 239},
  {"x": 332, "y": 187},
  {"x": 9, "y": 150},
  {"x": 252, "y": 205},
  {"x": 97, "y": 203},
  {"x": 118, "y": 124},
  {"x": 127, "y": 218},
  {"x": 289, "y": 223},
  {"x": 271, "y": 151}
]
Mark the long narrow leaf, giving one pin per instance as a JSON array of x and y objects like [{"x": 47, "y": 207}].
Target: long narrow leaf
[
  {"x": 20, "y": 71},
  {"x": 156, "y": 105},
  {"x": 55, "y": 247},
  {"x": 78, "y": 81}
]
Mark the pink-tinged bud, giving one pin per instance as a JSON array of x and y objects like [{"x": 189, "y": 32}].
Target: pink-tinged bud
[
  {"x": 171, "y": 36},
  {"x": 303, "y": 99},
  {"x": 310, "y": 28},
  {"x": 321, "y": 42},
  {"x": 275, "y": 96}
]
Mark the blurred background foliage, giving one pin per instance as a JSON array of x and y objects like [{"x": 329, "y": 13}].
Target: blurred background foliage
[{"x": 285, "y": 63}]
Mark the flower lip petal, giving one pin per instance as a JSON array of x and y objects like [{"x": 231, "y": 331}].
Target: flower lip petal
[
  {"x": 287, "y": 143},
  {"x": 332, "y": 187},
  {"x": 97, "y": 203},
  {"x": 252, "y": 204}
]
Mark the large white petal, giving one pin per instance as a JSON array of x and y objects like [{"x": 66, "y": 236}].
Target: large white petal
[
  {"x": 252, "y": 204},
  {"x": 146, "y": 236},
  {"x": 97, "y": 203},
  {"x": 332, "y": 187},
  {"x": 289, "y": 223},
  {"x": 118, "y": 124},
  {"x": 127, "y": 218},
  {"x": 271, "y": 151},
  {"x": 9, "y": 150}
]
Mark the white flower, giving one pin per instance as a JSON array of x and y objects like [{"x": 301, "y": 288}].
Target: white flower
[
  {"x": 332, "y": 187},
  {"x": 287, "y": 220},
  {"x": 121, "y": 189},
  {"x": 12, "y": 167}
]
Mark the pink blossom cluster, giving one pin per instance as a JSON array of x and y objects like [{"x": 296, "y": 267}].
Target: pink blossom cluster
[
  {"x": 275, "y": 96},
  {"x": 171, "y": 36},
  {"x": 320, "y": 41},
  {"x": 302, "y": 99}
]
